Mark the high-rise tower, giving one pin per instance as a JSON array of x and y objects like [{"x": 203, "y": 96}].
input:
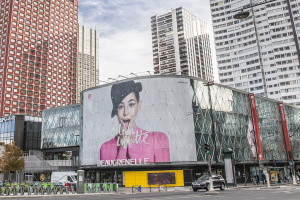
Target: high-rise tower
[
  {"x": 88, "y": 59},
  {"x": 181, "y": 45},
  {"x": 38, "y": 48},
  {"x": 259, "y": 54}
]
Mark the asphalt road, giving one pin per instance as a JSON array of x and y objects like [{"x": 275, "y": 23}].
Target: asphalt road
[{"x": 288, "y": 193}]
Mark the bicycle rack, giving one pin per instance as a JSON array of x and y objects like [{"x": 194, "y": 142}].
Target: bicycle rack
[
  {"x": 73, "y": 189},
  {"x": 136, "y": 188}
]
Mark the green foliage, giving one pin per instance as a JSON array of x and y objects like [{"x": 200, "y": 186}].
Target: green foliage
[{"x": 11, "y": 159}]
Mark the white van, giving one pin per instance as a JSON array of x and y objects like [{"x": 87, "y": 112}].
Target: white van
[{"x": 64, "y": 177}]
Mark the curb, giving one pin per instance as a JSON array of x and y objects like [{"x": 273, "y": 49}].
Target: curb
[
  {"x": 270, "y": 188},
  {"x": 212, "y": 193}
]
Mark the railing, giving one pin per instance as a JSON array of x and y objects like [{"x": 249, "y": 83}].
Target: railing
[
  {"x": 138, "y": 74},
  {"x": 34, "y": 163}
]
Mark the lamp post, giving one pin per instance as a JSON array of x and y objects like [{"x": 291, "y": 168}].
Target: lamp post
[
  {"x": 208, "y": 84},
  {"x": 244, "y": 14}
]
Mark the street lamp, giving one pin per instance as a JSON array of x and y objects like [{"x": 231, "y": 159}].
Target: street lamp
[
  {"x": 244, "y": 14},
  {"x": 241, "y": 15},
  {"x": 134, "y": 74},
  {"x": 122, "y": 76},
  {"x": 113, "y": 79}
]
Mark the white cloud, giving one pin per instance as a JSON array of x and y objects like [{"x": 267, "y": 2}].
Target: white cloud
[{"x": 125, "y": 30}]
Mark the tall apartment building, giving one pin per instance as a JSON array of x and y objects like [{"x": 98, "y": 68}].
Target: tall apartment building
[
  {"x": 259, "y": 54},
  {"x": 38, "y": 50},
  {"x": 88, "y": 59},
  {"x": 181, "y": 45}
]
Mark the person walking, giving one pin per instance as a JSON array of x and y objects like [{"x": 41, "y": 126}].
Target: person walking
[
  {"x": 257, "y": 179},
  {"x": 263, "y": 178}
]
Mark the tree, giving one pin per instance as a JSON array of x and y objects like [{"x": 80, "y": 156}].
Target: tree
[{"x": 11, "y": 159}]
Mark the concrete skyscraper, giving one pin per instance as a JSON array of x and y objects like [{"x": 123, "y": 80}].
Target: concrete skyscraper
[
  {"x": 88, "y": 59},
  {"x": 181, "y": 45},
  {"x": 259, "y": 54},
  {"x": 38, "y": 46}
]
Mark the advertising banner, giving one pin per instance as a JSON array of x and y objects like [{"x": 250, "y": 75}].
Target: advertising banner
[
  {"x": 274, "y": 175},
  {"x": 161, "y": 178},
  {"x": 138, "y": 122}
]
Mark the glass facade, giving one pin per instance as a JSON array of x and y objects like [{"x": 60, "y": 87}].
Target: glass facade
[
  {"x": 32, "y": 133},
  {"x": 24, "y": 130},
  {"x": 292, "y": 115},
  {"x": 223, "y": 118},
  {"x": 61, "y": 127},
  {"x": 7, "y": 129},
  {"x": 270, "y": 127}
]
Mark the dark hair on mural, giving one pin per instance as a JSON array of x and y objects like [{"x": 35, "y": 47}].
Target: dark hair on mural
[{"x": 121, "y": 90}]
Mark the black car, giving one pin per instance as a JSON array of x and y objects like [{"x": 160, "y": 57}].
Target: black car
[{"x": 203, "y": 182}]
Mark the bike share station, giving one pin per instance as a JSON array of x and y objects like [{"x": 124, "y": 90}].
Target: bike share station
[{"x": 38, "y": 188}]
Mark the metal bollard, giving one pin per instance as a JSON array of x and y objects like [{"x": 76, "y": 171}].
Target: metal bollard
[
  {"x": 99, "y": 188},
  {"x": 72, "y": 189},
  {"x": 108, "y": 189},
  {"x": 54, "y": 190},
  {"x": 6, "y": 191},
  {"x": 61, "y": 191},
  {"x": 103, "y": 188},
  {"x": 22, "y": 190},
  {"x": 94, "y": 189},
  {"x": 42, "y": 190},
  {"x": 35, "y": 190},
  {"x": 67, "y": 189},
  {"x": 29, "y": 191}
]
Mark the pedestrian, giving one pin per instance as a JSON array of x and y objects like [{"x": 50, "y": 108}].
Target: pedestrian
[
  {"x": 263, "y": 178},
  {"x": 257, "y": 179}
]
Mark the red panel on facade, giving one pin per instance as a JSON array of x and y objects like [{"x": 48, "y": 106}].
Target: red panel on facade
[
  {"x": 256, "y": 127},
  {"x": 286, "y": 133}
]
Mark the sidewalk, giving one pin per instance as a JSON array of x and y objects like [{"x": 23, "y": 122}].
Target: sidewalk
[
  {"x": 52, "y": 195},
  {"x": 128, "y": 190},
  {"x": 250, "y": 185}
]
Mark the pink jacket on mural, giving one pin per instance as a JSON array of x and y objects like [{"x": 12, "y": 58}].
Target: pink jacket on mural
[{"x": 151, "y": 145}]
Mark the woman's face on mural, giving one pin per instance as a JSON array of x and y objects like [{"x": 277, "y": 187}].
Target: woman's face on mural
[{"x": 127, "y": 110}]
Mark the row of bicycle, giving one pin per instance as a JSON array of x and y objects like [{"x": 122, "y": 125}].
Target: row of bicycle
[{"x": 35, "y": 188}]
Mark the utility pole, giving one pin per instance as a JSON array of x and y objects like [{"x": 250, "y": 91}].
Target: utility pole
[
  {"x": 211, "y": 187},
  {"x": 244, "y": 166},
  {"x": 207, "y": 148},
  {"x": 208, "y": 84}
]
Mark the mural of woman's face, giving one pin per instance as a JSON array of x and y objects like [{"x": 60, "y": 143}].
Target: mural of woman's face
[{"x": 127, "y": 111}]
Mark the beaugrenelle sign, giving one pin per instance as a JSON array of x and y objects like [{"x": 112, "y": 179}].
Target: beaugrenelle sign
[{"x": 122, "y": 162}]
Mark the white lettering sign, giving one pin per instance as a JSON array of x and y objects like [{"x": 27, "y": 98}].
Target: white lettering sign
[{"x": 122, "y": 162}]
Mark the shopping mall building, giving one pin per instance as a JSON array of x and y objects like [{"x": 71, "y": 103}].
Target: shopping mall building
[{"x": 152, "y": 130}]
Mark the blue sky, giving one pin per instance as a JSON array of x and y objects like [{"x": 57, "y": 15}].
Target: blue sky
[{"x": 125, "y": 31}]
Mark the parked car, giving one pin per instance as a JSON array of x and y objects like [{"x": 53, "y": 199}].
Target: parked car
[{"x": 203, "y": 182}]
